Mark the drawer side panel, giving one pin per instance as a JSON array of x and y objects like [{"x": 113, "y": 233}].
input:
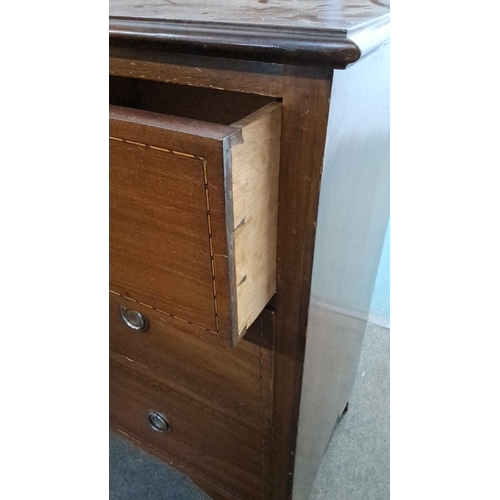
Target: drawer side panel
[{"x": 255, "y": 179}]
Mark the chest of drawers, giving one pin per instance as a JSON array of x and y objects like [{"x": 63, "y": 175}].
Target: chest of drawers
[{"x": 248, "y": 206}]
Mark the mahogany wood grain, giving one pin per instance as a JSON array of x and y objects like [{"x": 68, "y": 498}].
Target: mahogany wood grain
[
  {"x": 159, "y": 240},
  {"x": 177, "y": 184},
  {"x": 305, "y": 117},
  {"x": 322, "y": 15},
  {"x": 237, "y": 381},
  {"x": 196, "y": 367},
  {"x": 168, "y": 221},
  {"x": 220, "y": 450},
  {"x": 305, "y": 112},
  {"x": 189, "y": 69},
  {"x": 334, "y": 33},
  {"x": 169, "y": 129}
]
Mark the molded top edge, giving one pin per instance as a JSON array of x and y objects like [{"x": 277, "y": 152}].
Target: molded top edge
[{"x": 317, "y": 32}]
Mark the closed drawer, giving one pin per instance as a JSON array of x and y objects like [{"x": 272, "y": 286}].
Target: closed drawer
[
  {"x": 201, "y": 442},
  {"x": 193, "y": 209},
  {"x": 237, "y": 381}
]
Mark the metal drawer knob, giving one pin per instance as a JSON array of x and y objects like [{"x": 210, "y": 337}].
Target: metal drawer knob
[
  {"x": 134, "y": 319},
  {"x": 158, "y": 422}
]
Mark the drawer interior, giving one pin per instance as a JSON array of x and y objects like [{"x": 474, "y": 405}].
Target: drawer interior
[{"x": 197, "y": 103}]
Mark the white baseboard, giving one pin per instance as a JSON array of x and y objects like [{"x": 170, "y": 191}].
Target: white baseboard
[{"x": 378, "y": 320}]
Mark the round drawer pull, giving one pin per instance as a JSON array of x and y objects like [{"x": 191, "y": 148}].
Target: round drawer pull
[
  {"x": 158, "y": 422},
  {"x": 134, "y": 319}
]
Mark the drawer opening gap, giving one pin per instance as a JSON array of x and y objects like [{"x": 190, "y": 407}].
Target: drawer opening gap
[{"x": 197, "y": 103}]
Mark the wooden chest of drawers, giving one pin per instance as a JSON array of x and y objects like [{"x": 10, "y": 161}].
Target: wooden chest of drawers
[{"x": 239, "y": 157}]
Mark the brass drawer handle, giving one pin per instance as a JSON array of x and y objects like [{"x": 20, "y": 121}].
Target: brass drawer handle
[
  {"x": 157, "y": 421},
  {"x": 134, "y": 319}
]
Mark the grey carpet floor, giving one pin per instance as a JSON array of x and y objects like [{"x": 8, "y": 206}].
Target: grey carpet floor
[
  {"x": 355, "y": 466},
  {"x": 356, "y": 462},
  {"x": 135, "y": 475}
]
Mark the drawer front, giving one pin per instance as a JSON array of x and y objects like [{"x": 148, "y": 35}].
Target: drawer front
[
  {"x": 193, "y": 213},
  {"x": 238, "y": 381},
  {"x": 168, "y": 241},
  {"x": 200, "y": 442}
]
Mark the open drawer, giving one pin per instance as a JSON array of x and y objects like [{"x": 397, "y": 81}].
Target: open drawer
[{"x": 193, "y": 204}]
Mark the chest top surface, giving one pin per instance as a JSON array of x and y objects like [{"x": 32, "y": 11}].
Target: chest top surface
[
  {"x": 331, "y": 32},
  {"x": 328, "y": 15}
]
